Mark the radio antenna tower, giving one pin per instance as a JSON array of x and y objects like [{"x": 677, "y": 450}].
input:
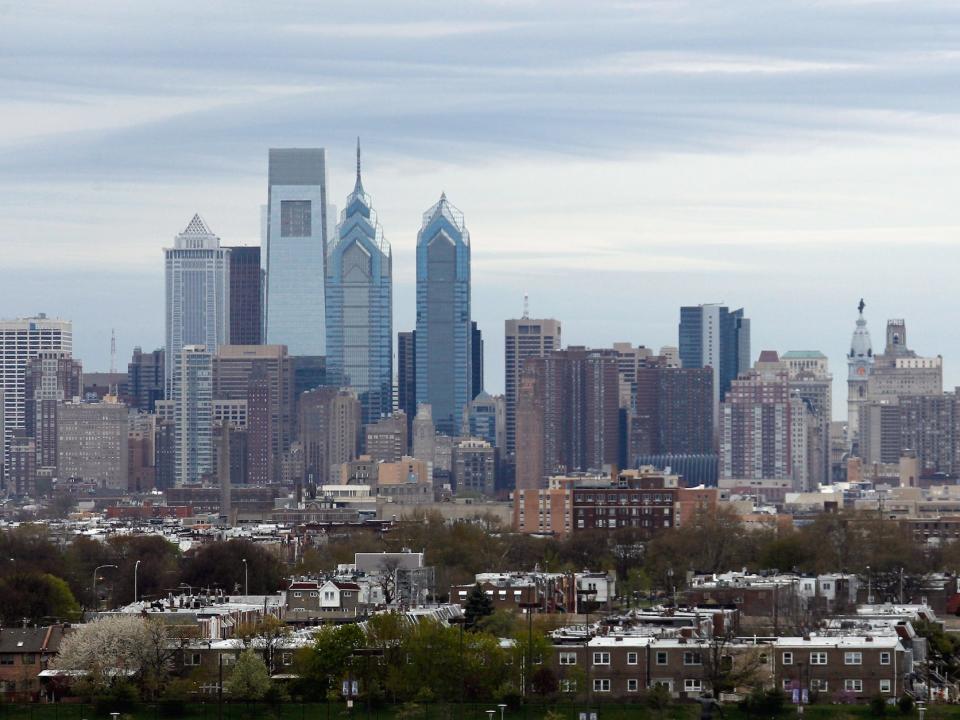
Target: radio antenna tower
[{"x": 113, "y": 350}]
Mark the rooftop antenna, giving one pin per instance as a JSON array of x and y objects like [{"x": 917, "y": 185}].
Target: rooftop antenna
[
  {"x": 113, "y": 350},
  {"x": 526, "y": 306}
]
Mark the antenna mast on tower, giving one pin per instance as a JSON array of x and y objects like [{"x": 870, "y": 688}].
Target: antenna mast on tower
[
  {"x": 113, "y": 350},
  {"x": 526, "y": 306}
]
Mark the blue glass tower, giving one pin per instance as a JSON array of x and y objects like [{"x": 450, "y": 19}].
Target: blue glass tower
[
  {"x": 359, "y": 306},
  {"x": 443, "y": 340}
]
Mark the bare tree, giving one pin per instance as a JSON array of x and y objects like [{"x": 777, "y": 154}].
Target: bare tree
[{"x": 728, "y": 665}]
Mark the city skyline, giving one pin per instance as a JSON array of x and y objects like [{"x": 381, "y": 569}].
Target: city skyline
[{"x": 731, "y": 172}]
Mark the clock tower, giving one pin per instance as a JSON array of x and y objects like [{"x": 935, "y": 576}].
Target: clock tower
[{"x": 859, "y": 365}]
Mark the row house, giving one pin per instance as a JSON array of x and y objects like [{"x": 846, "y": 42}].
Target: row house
[
  {"x": 552, "y": 592},
  {"x": 840, "y": 668},
  {"x": 24, "y": 654}
]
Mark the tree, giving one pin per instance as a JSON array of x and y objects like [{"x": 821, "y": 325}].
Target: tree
[
  {"x": 117, "y": 647},
  {"x": 249, "y": 679},
  {"x": 320, "y": 667},
  {"x": 37, "y": 597},
  {"x": 727, "y": 665},
  {"x": 477, "y": 606},
  {"x": 268, "y": 635},
  {"x": 220, "y": 565}
]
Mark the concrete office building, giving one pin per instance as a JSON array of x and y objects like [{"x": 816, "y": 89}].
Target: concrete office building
[
  {"x": 444, "y": 336},
  {"x": 192, "y": 407},
  {"x": 22, "y": 340},
  {"x": 360, "y": 306},
  {"x": 386, "y": 440},
  {"x": 197, "y": 293},
  {"x": 900, "y": 371},
  {"x": 246, "y": 295},
  {"x": 294, "y": 250},
  {"x": 524, "y": 338},
  {"x": 93, "y": 443},
  {"x": 424, "y": 435},
  {"x": 474, "y": 467}
]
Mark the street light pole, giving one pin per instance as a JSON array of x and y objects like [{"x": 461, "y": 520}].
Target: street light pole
[
  {"x": 96, "y": 570},
  {"x": 246, "y": 577},
  {"x": 869, "y": 587},
  {"x": 136, "y": 568}
]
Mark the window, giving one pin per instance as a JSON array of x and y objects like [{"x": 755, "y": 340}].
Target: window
[
  {"x": 818, "y": 685},
  {"x": 568, "y": 658},
  {"x": 286, "y": 658},
  {"x": 884, "y": 658},
  {"x": 787, "y": 684},
  {"x": 661, "y": 657},
  {"x": 632, "y": 685},
  {"x": 568, "y": 686},
  {"x": 295, "y": 220},
  {"x": 691, "y": 658},
  {"x": 314, "y": 594},
  {"x": 601, "y": 658},
  {"x": 884, "y": 686},
  {"x": 853, "y": 658},
  {"x": 29, "y": 659},
  {"x": 601, "y": 685},
  {"x": 692, "y": 685},
  {"x": 763, "y": 659},
  {"x": 348, "y": 593},
  {"x": 298, "y": 594},
  {"x": 818, "y": 658},
  {"x": 6, "y": 659},
  {"x": 788, "y": 658},
  {"x": 853, "y": 685},
  {"x": 191, "y": 658},
  {"x": 631, "y": 658}
]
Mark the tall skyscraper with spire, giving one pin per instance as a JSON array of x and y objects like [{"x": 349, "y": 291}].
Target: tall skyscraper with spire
[
  {"x": 859, "y": 365},
  {"x": 198, "y": 293},
  {"x": 443, "y": 339},
  {"x": 294, "y": 250},
  {"x": 360, "y": 306}
]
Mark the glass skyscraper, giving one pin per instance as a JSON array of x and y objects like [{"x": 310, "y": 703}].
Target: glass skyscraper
[
  {"x": 360, "y": 306},
  {"x": 294, "y": 250},
  {"x": 443, "y": 339},
  {"x": 198, "y": 293}
]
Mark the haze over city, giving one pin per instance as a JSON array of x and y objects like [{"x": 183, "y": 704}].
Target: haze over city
[{"x": 614, "y": 163}]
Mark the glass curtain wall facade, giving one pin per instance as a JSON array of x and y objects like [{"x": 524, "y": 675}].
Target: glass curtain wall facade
[
  {"x": 294, "y": 250},
  {"x": 198, "y": 293},
  {"x": 360, "y": 306},
  {"x": 443, "y": 339}
]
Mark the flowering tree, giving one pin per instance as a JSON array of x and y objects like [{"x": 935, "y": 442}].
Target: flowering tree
[{"x": 119, "y": 647}]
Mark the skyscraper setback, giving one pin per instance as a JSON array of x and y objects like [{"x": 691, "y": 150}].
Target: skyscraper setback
[
  {"x": 294, "y": 250},
  {"x": 444, "y": 336},
  {"x": 713, "y": 336},
  {"x": 198, "y": 293},
  {"x": 360, "y": 306}
]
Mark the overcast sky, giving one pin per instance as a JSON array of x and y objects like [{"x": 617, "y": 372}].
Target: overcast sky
[{"x": 614, "y": 159}]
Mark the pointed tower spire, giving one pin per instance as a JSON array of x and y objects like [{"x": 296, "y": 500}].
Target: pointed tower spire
[{"x": 359, "y": 185}]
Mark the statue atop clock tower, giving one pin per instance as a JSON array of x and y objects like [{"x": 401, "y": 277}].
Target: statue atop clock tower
[{"x": 859, "y": 365}]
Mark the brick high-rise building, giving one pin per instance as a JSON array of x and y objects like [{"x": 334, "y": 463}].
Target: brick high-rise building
[
  {"x": 93, "y": 443},
  {"x": 474, "y": 467},
  {"x": 263, "y": 376},
  {"x": 570, "y": 412},
  {"x": 673, "y": 413},
  {"x": 811, "y": 381},
  {"x": 51, "y": 378},
  {"x": 246, "y": 296},
  {"x": 22, "y": 465},
  {"x": 524, "y": 338}
]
